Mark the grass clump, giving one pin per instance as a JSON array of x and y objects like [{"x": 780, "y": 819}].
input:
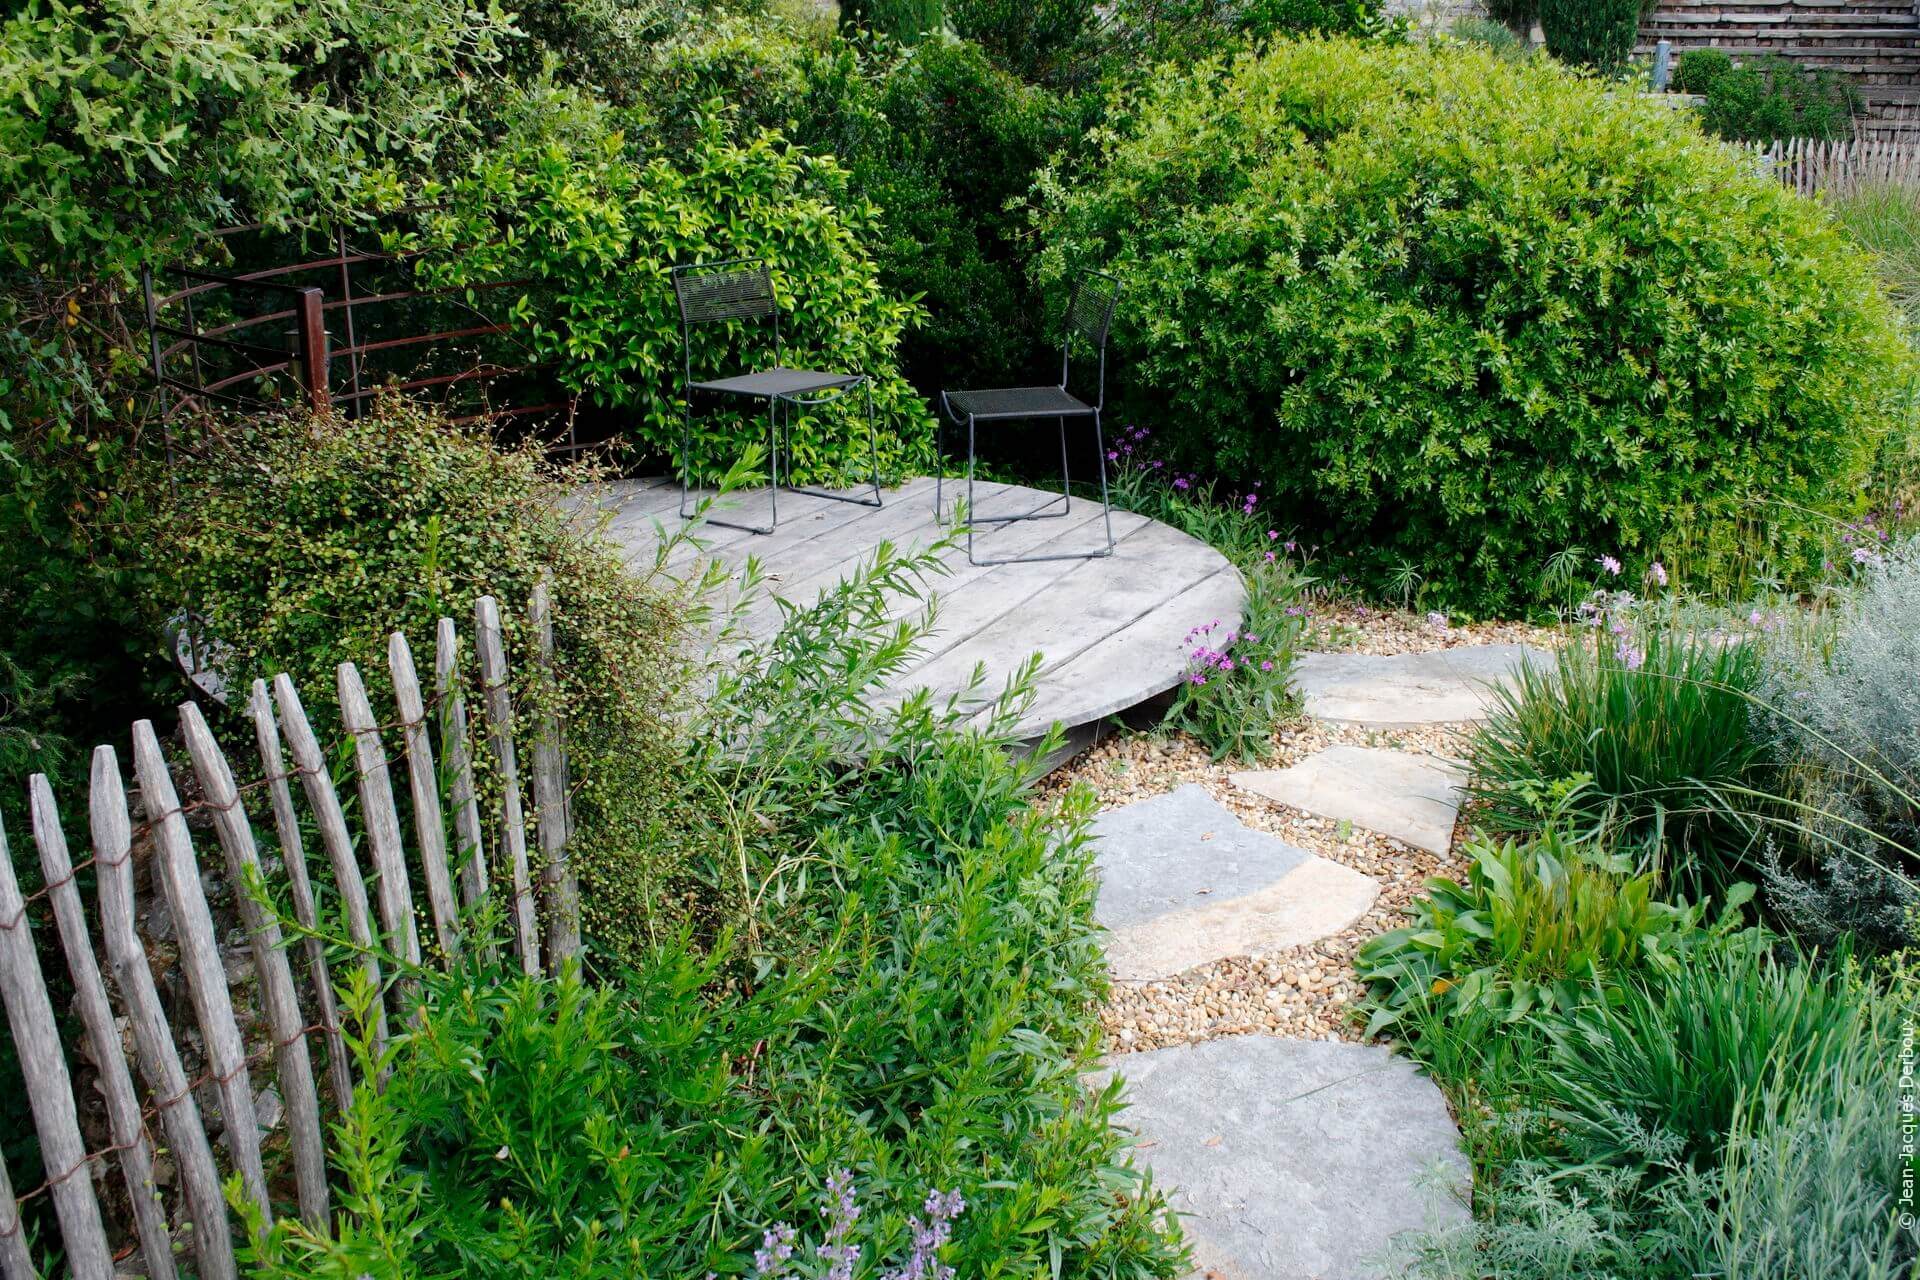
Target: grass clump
[{"x": 1640, "y": 740}]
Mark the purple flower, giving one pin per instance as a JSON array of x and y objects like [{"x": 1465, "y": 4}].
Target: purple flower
[
  {"x": 841, "y": 1213},
  {"x": 1611, "y": 565},
  {"x": 773, "y": 1258},
  {"x": 1180, "y": 482},
  {"x": 1866, "y": 556},
  {"x": 1630, "y": 656},
  {"x": 1657, "y": 574},
  {"x": 1266, "y": 666},
  {"x": 1437, "y": 620}
]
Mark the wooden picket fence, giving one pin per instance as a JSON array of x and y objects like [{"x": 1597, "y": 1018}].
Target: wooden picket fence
[
  {"x": 1812, "y": 167},
  {"x": 437, "y": 754}
]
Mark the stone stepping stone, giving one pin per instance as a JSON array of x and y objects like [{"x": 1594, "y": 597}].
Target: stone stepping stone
[
  {"x": 1184, "y": 883},
  {"x": 1295, "y": 1159},
  {"x": 1412, "y": 798},
  {"x": 1403, "y": 690}
]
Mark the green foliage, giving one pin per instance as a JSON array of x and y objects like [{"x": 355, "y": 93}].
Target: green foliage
[
  {"x": 1655, "y": 727},
  {"x": 1768, "y": 97},
  {"x": 1537, "y": 928},
  {"x": 228, "y": 111},
  {"x": 904, "y": 20},
  {"x": 1884, "y": 220},
  {"x": 1152, "y": 31},
  {"x": 1426, "y": 295},
  {"x": 596, "y": 229},
  {"x": 1840, "y": 706},
  {"x": 1698, "y": 68},
  {"x": 1496, "y": 36},
  {"x": 301, "y": 543},
  {"x": 1591, "y": 33},
  {"x": 910, "y": 993},
  {"x": 1034, "y": 39},
  {"x": 1238, "y": 685},
  {"x": 1726, "y": 1039},
  {"x": 1518, "y": 16}
]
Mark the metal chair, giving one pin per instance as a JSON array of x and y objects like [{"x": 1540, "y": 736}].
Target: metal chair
[
  {"x": 741, "y": 289},
  {"x": 1089, "y": 317}
]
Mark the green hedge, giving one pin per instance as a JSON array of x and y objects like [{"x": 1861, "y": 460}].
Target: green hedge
[
  {"x": 595, "y": 222},
  {"x": 1462, "y": 314}
]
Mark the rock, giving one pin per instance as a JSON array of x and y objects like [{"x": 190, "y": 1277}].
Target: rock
[
  {"x": 1412, "y": 798},
  {"x": 1183, "y": 883},
  {"x": 1295, "y": 1159},
  {"x": 1443, "y": 686}
]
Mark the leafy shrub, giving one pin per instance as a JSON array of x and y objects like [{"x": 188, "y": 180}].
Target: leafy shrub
[
  {"x": 911, "y": 994},
  {"x": 1518, "y": 16},
  {"x": 1591, "y": 33},
  {"x": 1537, "y": 928},
  {"x": 1768, "y": 97},
  {"x": 301, "y": 543},
  {"x": 903, "y": 20},
  {"x": 1843, "y": 707},
  {"x": 1654, "y": 733},
  {"x": 1034, "y": 40},
  {"x": 1426, "y": 295},
  {"x": 597, "y": 229},
  {"x": 1150, "y": 31},
  {"x": 1698, "y": 68}
]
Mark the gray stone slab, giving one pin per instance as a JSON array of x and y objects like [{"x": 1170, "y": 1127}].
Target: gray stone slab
[
  {"x": 1413, "y": 798},
  {"x": 1183, "y": 883},
  {"x": 1295, "y": 1159},
  {"x": 1406, "y": 689}
]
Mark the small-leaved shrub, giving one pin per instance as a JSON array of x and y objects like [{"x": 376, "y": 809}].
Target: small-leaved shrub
[
  {"x": 1767, "y": 97},
  {"x": 1430, "y": 297},
  {"x": 1590, "y": 33},
  {"x": 299, "y": 543}
]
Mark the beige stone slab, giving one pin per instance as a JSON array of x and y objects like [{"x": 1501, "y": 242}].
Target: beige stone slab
[{"x": 1413, "y": 798}]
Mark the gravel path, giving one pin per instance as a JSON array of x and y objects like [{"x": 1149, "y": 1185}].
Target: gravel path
[{"x": 1307, "y": 991}]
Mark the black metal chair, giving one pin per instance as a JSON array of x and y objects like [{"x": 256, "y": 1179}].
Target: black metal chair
[
  {"x": 1089, "y": 317},
  {"x": 741, "y": 289}
]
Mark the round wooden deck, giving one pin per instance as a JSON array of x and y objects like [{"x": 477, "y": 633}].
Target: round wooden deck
[{"x": 1110, "y": 631}]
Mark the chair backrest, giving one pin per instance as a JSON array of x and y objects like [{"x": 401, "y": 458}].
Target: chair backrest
[
  {"x": 1089, "y": 319},
  {"x": 737, "y": 289}
]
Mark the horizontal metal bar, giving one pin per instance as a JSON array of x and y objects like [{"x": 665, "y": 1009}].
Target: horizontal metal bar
[{"x": 227, "y": 344}]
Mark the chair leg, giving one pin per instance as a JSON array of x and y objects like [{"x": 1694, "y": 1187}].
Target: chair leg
[
  {"x": 1100, "y": 446},
  {"x": 686, "y": 454},
  {"x": 873, "y": 449},
  {"x": 1066, "y": 480}
]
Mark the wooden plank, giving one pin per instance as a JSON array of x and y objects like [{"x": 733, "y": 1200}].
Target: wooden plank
[
  {"x": 293, "y": 857},
  {"x": 179, "y": 875},
  {"x": 1131, "y": 665},
  {"x": 15, "y": 1262},
  {"x": 801, "y": 576},
  {"x": 1093, "y": 599},
  {"x": 125, "y": 1124},
  {"x": 471, "y": 853},
  {"x": 513, "y": 823},
  {"x": 112, "y": 830},
  {"x": 294, "y": 1069},
  {"x": 977, "y": 597},
  {"x": 324, "y": 801},
  {"x": 43, "y": 1066},
  {"x": 552, "y": 813},
  {"x": 429, "y": 824},
  {"x": 382, "y": 823}
]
